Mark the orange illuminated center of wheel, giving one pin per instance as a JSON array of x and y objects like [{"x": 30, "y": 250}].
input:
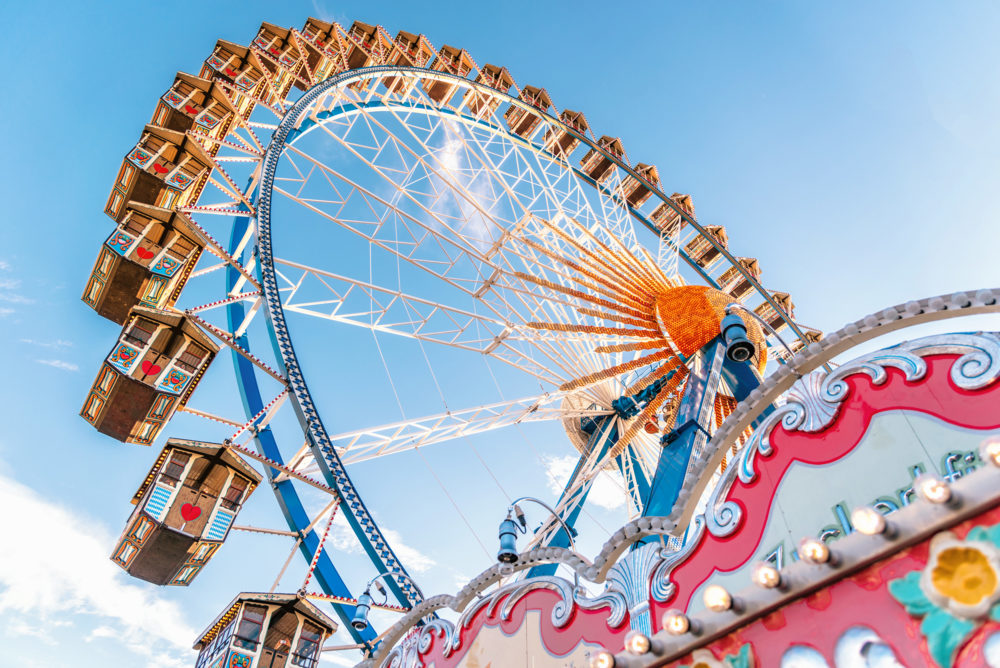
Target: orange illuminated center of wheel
[{"x": 691, "y": 316}]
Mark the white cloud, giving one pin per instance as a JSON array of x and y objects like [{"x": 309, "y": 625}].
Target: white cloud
[
  {"x": 5, "y": 311},
  {"x": 414, "y": 559},
  {"x": 4, "y": 266},
  {"x": 18, "y": 628},
  {"x": 608, "y": 490},
  {"x": 69, "y": 577},
  {"x": 9, "y": 294},
  {"x": 342, "y": 538},
  {"x": 60, "y": 364},
  {"x": 58, "y": 344}
]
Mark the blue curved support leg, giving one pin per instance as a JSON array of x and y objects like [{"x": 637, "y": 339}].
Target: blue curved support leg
[{"x": 291, "y": 506}]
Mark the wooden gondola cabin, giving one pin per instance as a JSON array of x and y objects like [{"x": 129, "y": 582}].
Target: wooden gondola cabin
[
  {"x": 197, "y": 104},
  {"x": 772, "y": 317},
  {"x": 484, "y": 104},
  {"x": 735, "y": 283},
  {"x": 704, "y": 252},
  {"x": 324, "y": 48},
  {"x": 523, "y": 122},
  {"x": 157, "y": 362},
  {"x": 636, "y": 192},
  {"x": 561, "y": 142},
  {"x": 183, "y": 511},
  {"x": 366, "y": 45},
  {"x": 233, "y": 63},
  {"x": 411, "y": 51},
  {"x": 165, "y": 169},
  {"x": 454, "y": 61},
  {"x": 596, "y": 164},
  {"x": 265, "y": 631},
  {"x": 145, "y": 261},
  {"x": 279, "y": 54},
  {"x": 666, "y": 218}
]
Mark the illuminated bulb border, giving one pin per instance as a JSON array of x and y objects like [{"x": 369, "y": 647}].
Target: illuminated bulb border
[
  {"x": 932, "y": 489},
  {"x": 717, "y": 598},
  {"x": 637, "y": 643},
  {"x": 814, "y": 551},
  {"x": 869, "y": 521},
  {"x": 767, "y": 576}
]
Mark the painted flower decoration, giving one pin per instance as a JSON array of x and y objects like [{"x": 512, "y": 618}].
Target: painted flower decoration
[
  {"x": 963, "y": 578},
  {"x": 956, "y": 592}
]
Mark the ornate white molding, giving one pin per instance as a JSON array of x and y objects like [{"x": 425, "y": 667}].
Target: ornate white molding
[
  {"x": 814, "y": 401},
  {"x": 506, "y": 597}
]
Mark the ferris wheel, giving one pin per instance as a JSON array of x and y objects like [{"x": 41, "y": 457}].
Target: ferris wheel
[{"x": 404, "y": 249}]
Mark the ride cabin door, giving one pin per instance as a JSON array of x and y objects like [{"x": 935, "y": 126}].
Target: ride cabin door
[{"x": 278, "y": 642}]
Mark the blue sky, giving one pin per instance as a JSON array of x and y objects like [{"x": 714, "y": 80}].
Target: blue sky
[{"x": 852, "y": 148}]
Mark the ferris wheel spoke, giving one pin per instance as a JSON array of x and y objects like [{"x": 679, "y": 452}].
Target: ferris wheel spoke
[
  {"x": 372, "y": 442},
  {"x": 364, "y": 304},
  {"x": 468, "y": 245},
  {"x": 449, "y": 173},
  {"x": 406, "y": 248}
]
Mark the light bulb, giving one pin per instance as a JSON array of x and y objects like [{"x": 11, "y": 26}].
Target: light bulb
[
  {"x": 717, "y": 599},
  {"x": 868, "y": 521},
  {"x": 989, "y": 450},
  {"x": 676, "y": 623},
  {"x": 602, "y": 660},
  {"x": 932, "y": 488},
  {"x": 814, "y": 551},
  {"x": 767, "y": 576},
  {"x": 636, "y": 643}
]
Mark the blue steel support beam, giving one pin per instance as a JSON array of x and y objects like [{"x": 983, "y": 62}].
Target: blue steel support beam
[
  {"x": 697, "y": 406},
  {"x": 288, "y": 499},
  {"x": 693, "y": 418},
  {"x": 604, "y": 436}
]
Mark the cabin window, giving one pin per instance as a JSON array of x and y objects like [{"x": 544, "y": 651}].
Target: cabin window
[
  {"x": 172, "y": 472},
  {"x": 191, "y": 358},
  {"x": 135, "y": 224},
  {"x": 248, "y": 634},
  {"x": 308, "y": 646},
  {"x": 181, "y": 248},
  {"x": 141, "y": 332},
  {"x": 234, "y": 494}
]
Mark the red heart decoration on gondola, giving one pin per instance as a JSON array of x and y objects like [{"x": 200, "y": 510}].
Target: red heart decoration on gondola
[
  {"x": 160, "y": 169},
  {"x": 144, "y": 254},
  {"x": 149, "y": 368},
  {"x": 231, "y": 72},
  {"x": 189, "y": 512},
  {"x": 191, "y": 110}
]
